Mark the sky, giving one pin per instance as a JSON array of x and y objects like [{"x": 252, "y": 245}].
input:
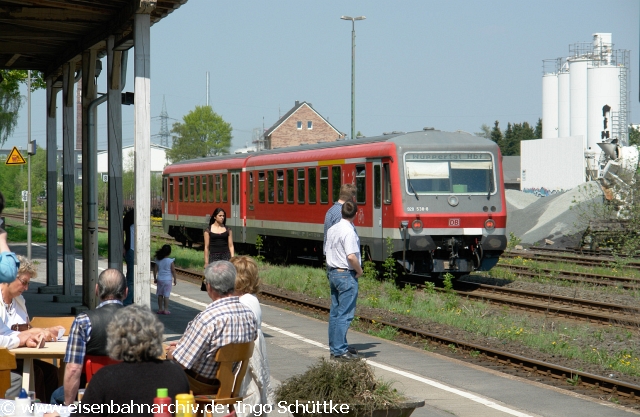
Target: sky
[{"x": 452, "y": 65}]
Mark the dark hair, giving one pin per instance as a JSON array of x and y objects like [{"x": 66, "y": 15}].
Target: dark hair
[
  {"x": 129, "y": 218},
  {"x": 163, "y": 252},
  {"x": 215, "y": 213},
  {"x": 1, "y": 202},
  {"x": 349, "y": 210}
]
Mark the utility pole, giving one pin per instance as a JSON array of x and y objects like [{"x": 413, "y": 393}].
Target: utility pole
[
  {"x": 29, "y": 165},
  {"x": 353, "y": 71}
]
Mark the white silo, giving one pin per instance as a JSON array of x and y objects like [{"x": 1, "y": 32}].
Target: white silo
[
  {"x": 603, "y": 101},
  {"x": 564, "y": 102},
  {"x": 550, "y": 99},
  {"x": 578, "y": 95}
]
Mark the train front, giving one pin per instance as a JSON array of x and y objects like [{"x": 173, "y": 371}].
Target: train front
[{"x": 453, "y": 215}]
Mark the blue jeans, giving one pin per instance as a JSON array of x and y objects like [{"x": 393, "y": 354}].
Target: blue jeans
[
  {"x": 344, "y": 294},
  {"x": 58, "y": 396},
  {"x": 129, "y": 258}
]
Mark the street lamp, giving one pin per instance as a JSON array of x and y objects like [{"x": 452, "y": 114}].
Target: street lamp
[{"x": 353, "y": 71}]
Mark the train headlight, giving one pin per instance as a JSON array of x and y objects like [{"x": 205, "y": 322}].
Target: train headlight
[
  {"x": 453, "y": 201},
  {"x": 416, "y": 225},
  {"x": 489, "y": 224}
]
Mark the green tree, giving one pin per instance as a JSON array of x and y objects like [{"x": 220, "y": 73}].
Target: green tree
[
  {"x": 634, "y": 136},
  {"x": 10, "y": 99},
  {"x": 496, "y": 133},
  {"x": 485, "y": 131},
  {"x": 537, "y": 132},
  {"x": 202, "y": 133}
]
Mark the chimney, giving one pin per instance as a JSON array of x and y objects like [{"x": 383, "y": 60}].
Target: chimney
[{"x": 297, "y": 103}]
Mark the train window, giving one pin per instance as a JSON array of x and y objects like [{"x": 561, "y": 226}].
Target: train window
[
  {"x": 377, "y": 189},
  {"x": 261, "y": 186},
  {"x": 312, "y": 186},
  {"x": 270, "y": 186},
  {"x": 361, "y": 184},
  {"x": 324, "y": 184},
  {"x": 289, "y": 186},
  {"x": 218, "y": 188},
  {"x": 170, "y": 189},
  {"x": 204, "y": 188},
  {"x": 197, "y": 189},
  {"x": 280, "y": 185},
  {"x": 180, "y": 188},
  {"x": 336, "y": 182},
  {"x": 192, "y": 187},
  {"x": 211, "y": 189},
  {"x": 250, "y": 187},
  {"x": 455, "y": 173},
  {"x": 387, "y": 184},
  {"x": 301, "y": 186},
  {"x": 224, "y": 188}
]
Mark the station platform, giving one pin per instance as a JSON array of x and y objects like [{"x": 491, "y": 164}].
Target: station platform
[{"x": 295, "y": 342}]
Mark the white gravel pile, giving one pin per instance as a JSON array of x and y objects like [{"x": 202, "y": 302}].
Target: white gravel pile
[{"x": 556, "y": 217}]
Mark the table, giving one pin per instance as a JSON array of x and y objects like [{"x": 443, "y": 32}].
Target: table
[{"x": 51, "y": 350}]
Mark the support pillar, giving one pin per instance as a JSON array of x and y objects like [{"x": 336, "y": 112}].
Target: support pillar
[
  {"x": 89, "y": 184},
  {"x": 142, "y": 149},
  {"x": 52, "y": 185},
  {"x": 68, "y": 181},
  {"x": 116, "y": 71}
]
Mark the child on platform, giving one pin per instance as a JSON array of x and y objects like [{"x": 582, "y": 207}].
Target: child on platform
[{"x": 163, "y": 272}]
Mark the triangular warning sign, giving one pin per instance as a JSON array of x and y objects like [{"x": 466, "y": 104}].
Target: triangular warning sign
[{"x": 15, "y": 158}]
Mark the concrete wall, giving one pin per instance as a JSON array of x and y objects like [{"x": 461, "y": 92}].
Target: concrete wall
[{"x": 551, "y": 165}]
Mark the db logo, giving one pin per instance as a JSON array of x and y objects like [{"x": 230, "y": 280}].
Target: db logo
[{"x": 454, "y": 222}]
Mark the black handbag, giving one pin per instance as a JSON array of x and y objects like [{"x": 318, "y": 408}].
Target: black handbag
[{"x": 202, "y": 286}]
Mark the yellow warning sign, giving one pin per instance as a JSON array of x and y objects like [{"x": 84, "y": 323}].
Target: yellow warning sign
[{"x": 15, "y": 158}]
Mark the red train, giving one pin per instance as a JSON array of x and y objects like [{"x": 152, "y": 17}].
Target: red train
[{"x": 438, "y": 196}]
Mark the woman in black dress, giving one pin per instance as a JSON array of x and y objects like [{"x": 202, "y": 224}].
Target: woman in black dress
[{"x": 218, "y": 241}]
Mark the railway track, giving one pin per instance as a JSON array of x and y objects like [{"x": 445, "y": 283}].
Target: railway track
[
  {"x": 573, "y": 258},
  {"x": 568, "y": 307},
  {"x": 573, "y": 276},
  {"x": 103, "y": 229},
  {"x": 505, "y": 361}
]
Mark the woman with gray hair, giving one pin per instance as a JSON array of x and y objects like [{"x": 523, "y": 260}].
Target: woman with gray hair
[{"x": 135, "y": 338}]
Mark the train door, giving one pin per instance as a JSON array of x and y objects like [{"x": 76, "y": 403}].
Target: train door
[
  {"x": 234, "y": 221},
  {"x": 378, "y": 240}
]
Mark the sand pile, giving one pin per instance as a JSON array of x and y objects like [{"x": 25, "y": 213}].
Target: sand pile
[{"x": 557, "y": 217}]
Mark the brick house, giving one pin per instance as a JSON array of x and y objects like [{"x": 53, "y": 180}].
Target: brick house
[{"x": 301, "y": 125}]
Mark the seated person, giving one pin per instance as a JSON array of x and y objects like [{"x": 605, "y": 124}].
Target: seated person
[
  {"x": 88, "y": 335},
  {"x": 225, "y": 321},
  {"x": 8, "y": 262},
  {"x": 134, "y": 336},
  {"x": 256, "y": 386},
  {"x": 15, "y": 320}
]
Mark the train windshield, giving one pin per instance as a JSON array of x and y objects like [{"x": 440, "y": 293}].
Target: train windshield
[{"x": 449, "y": 173}]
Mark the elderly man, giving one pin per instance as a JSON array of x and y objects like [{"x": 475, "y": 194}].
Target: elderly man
[
  {"x": 334, "y": 215},
  {"x": 88, "y": 335},
  {"x": 225, "y": 321},
  {"x": 343, "y": 263}
]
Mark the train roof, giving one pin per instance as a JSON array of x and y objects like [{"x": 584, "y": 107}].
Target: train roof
[{"x": 435, "y": 139}]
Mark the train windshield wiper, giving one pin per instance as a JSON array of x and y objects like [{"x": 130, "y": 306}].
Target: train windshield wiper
[
  {"x": 490, "y": 182},
  {"x": 411, "y": 186}
]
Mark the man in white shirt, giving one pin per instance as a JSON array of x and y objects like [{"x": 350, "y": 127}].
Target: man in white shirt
[{"x": 344, "y": 265}]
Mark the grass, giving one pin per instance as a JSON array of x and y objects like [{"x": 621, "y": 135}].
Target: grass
[{"x": 611, "y": 347}]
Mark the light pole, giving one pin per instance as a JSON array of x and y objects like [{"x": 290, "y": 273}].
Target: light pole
[{"x": 353, "y": 71}]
